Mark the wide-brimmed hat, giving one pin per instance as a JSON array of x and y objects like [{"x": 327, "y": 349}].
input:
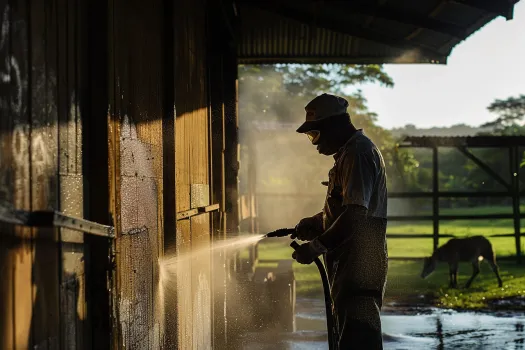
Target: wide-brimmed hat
[{"x": 322, "y": 107}]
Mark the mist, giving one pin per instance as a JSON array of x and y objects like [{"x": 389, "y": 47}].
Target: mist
[{"x": 286, "y": 168}]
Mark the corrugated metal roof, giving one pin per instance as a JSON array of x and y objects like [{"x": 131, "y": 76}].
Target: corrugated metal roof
[{"x": 383, "y": 31}]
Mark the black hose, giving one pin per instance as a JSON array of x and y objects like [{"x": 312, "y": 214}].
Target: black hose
[{"x": 327, "y": 299}]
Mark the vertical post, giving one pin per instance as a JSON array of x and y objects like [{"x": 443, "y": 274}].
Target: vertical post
[
  {"x": 217, "y": 173},
  {"x": 168, "y": 169},
  {"x": 515, "y": 183},
  {"x": 250, "y": 193},
  {"x": 435, "y": 197},
  {"x": 96, "y": 183},
  {"x": 231, "y": 130},
  {"x": 217, "y": 142},
  {"x": 219, "y": 87}
]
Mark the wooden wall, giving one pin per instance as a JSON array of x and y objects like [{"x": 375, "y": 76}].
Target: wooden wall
[
  {"x": 136, "y": 112},
  {"x": 106, "y": 114},
  {"x": 42, "y": 53},
  {"x": 192, "y": 175}
]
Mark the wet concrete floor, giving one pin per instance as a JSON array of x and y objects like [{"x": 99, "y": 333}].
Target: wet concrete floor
[{"x": 428, "y": 329}]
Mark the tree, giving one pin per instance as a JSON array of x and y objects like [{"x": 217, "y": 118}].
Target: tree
[
  {"x": 509, "y": 122},
  {"x": 311, "y": 80},
  {"x": 278, "y": 94},
  {"x": 510, "y": 113}
]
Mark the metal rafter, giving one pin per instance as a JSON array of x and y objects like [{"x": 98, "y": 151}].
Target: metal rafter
[
  {"x": 492, "y": 6},
  {"x": 407, "y": 17},
  {"x": 301, "y": 15}
]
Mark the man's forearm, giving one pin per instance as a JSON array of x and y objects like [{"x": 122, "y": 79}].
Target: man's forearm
[
  {"x": 319, "y": 221},
  {"x": 336, "y": 234}
]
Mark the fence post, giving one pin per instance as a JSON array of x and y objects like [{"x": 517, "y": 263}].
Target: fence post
[
  {"x": 514, "y": 161},
  {"x": 435, "y": 196}
]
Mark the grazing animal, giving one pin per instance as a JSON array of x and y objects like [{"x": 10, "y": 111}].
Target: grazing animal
[{"x": 473, "y": 249}]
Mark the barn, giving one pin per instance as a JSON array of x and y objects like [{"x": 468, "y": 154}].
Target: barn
[{"x": 119, "y": 146}]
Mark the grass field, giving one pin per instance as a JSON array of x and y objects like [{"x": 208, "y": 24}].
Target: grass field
[
  {"x": 504, "y": 246},
  {"x": 404, "y": 283}
]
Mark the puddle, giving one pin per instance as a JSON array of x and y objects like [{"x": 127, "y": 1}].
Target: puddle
[
  {"x": 454, "y": 330},
  {"x": 429, "y": 329}
]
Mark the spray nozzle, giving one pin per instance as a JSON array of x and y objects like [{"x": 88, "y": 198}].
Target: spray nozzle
[{"x": 282, "y": 232}]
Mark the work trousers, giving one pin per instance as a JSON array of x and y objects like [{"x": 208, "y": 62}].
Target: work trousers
[
  {"x": 357, "y": 273},
  {"x": 352, "y": 333}
]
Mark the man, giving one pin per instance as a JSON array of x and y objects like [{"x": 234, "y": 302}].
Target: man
[{"x": 351, "y": 230}]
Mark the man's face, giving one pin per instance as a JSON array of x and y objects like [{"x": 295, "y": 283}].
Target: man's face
[{"x": 324, "y": 139}]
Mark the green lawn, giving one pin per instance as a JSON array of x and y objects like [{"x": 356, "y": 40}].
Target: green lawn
[
  {"x": 504, "y": 246},
  {"x": 418, "y": 247},
  {"x": 404, "y": 283}
]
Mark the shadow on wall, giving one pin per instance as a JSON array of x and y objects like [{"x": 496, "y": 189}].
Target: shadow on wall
[{"x": 50, "y": 312}]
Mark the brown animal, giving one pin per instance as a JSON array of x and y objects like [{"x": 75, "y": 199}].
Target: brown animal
[{"x": 473, "y": 249}]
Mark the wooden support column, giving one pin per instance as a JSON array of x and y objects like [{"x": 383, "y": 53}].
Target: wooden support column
[
  {"x": 221, "y": 88},
  {"x": 435, "y": 197},
  {"x": 251, "y": 173},
  {"x": 168, "y": 172},
  {"x": 217, "y": 141},
  {"x": 96, "y": 186},
  {"x": 217, "y": 183},
  {"x": 231, "y": 152},
  {"x": 514, "y": 161}
]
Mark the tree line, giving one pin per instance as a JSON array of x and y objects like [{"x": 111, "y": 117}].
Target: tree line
[{"x": 276, "y": 95}]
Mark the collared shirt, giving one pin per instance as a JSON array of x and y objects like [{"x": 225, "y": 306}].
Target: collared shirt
[
  {"x": 357, "y": 268},
  {"x": 357, "y": 177}
]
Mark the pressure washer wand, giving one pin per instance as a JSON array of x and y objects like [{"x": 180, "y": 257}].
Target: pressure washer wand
[
  {"x": 327, "y": 299},
  {"x": 282, "y": 232}
]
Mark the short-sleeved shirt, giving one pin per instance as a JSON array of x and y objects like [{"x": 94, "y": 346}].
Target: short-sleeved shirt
[
  {"x": 357, "y": 268},
  {"x": 357, "y": 177}
]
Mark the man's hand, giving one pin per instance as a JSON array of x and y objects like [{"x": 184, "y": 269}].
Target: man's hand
[
  {"x": 304, "y": 254},
  {"x": 307, "y": 252},
  {"x": 307, "y": 229}
]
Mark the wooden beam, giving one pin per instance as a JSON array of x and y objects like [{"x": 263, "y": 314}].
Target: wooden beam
[
  {"x": 209, "y": 208},
  {"x": 485, "y": 167},
  {"x": 444, "y": 194},
  {"x": 458, "y": 141},
  {"x": 451, "y": 217},
  {"x": 187, "y": 214},
  {"x": 416, "y": 235},
  {"x": 447, "y": 194},
  {"x": 502, "y": 235}
]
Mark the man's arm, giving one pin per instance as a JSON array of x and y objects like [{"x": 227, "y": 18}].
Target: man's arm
[
  {"x": 357, "y": 181},
  {"x": 336, "y": 234},
  {"x": 331, "y": 238}
]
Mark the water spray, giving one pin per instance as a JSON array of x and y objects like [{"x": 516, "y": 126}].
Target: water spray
[{"x": 283, "y": 232}]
